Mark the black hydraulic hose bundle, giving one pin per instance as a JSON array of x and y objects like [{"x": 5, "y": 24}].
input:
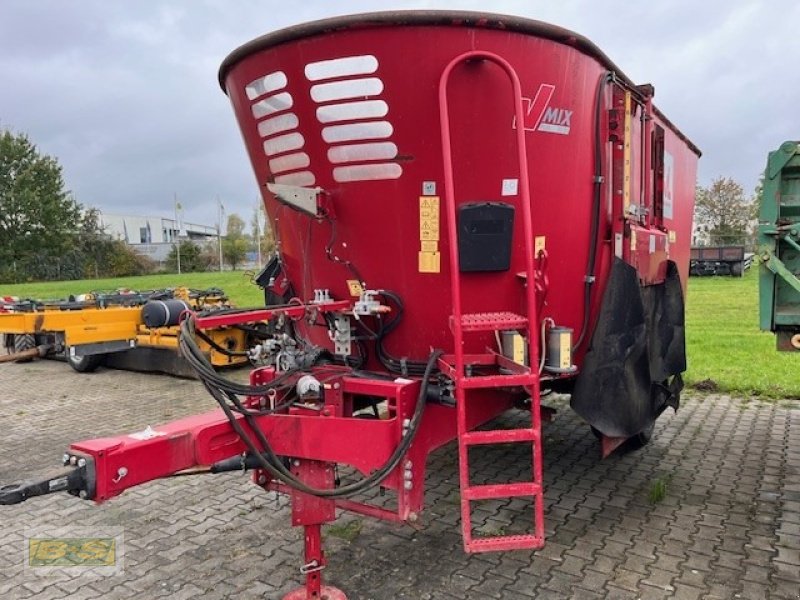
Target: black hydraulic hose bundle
[
  {"x": 596, "y": 206},
  {"x": 393, "y": 364},
  {"x": 226, "y": 393}
]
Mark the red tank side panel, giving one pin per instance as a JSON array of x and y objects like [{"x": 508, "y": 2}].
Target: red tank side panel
[{"x": 355, "y": 112}]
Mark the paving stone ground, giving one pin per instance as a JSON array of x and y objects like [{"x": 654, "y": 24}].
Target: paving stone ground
[{"x": 728, "y": 525}]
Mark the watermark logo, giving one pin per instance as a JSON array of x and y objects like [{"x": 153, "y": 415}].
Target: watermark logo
[
  {"x": 75, "y": 550},
  {"x": 72, "y": 552}
]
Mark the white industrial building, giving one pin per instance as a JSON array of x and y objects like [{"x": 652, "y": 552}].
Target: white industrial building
[{"x": 153, "y": 236}]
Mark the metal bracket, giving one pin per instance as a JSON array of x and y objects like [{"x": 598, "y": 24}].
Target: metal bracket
[
  {"x": 305, "y": 200},
  {"x": 101, "y": 347},
  {"x": 311, "y": 567},
  {"x": 340, "y": 335},
  {"x": 771, "y": 262},
  {"x": 638, "y": 211}
]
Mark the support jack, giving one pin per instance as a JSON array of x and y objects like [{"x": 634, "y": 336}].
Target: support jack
[{"x": 311, "y": 512}]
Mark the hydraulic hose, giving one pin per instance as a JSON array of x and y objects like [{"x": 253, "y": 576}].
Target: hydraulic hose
[
  {"x": 224, "y": 391},
  {"x": 392, "y": 363},
  {"x": 588, "y": 282}
]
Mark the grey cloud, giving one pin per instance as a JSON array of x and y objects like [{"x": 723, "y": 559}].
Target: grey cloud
[{"x": 125, "y": 94}]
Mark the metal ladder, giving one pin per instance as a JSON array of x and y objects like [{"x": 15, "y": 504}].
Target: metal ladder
[{"x": 467, "y": 387}]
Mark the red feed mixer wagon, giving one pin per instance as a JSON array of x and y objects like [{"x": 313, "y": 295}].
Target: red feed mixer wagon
[{"x": 470, "y": 209}]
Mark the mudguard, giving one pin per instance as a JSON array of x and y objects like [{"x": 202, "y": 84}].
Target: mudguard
[{"x": 632, "y": 370}]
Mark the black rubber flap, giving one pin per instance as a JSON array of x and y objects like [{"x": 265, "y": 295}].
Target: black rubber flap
[{"x": 631, "y": 372}]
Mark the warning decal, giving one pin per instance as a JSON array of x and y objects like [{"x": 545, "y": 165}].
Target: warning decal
[{"x": 429, "y": 256}]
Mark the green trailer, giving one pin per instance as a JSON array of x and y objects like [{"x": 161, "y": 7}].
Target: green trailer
[{"x": 779, "y": 247}]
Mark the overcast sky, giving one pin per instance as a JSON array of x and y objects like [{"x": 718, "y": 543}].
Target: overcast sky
[{"x": 125, "y": 94}]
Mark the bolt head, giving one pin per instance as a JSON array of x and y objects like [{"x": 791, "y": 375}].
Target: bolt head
[
  {"x": 413, "y": 517},
  {"x": 65, "y": 459},
  {"x": 73, "y": 460},
  {"x": 408, "y": 485},
  {"x": 81, "y": 462},
  {"x": 83, "y": 494}
]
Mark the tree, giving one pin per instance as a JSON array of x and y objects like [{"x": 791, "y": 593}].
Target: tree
[
  {"x": 124, "y": 261},
  {"x": 235, "y": 228},
  {"x": 38, "y": 217},
  {"x": 235, "y": 245},
  {"x": 723, "y": 213},
  {"x": 92, "y": 253},
  {"x": 192, "y": 258}
]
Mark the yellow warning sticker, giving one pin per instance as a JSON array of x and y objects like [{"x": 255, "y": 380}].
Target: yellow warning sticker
[
  {"x": 429, "y": 231},
  {"x": 626, "y": 155},
  {"x": 518, "y": 346},
  {"x": 355, "y": 287},
  {"x": 430, "y": 262},
  {"x": 431, "y": 246},
  {"x": 429, "y": 257},
  {"x": 538, "y": 244},
  {"x": 429, "y": 203},
  {"x": 633, "y": 240},
  {"x": 672, "y": 236},
  {"x": 564, "y": 352},
  {"x": 428, "y": 225}
]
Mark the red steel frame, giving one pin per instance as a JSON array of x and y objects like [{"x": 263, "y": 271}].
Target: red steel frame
[{"x": 315, "y": 440}]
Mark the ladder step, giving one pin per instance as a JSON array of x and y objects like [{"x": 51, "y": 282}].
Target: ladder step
[
  {"x": 501, "y": 490},
  {"x": 505, "y": 542},
  {"x": 494, "y": 381},
  {"x": 492, "y": 321},
  {"x": 498, "y": 436}
]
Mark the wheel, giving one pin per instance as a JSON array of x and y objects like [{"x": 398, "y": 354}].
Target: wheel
[
  {"x": 644, "y": 436},
  {"x": 86, "y": 363},
  {"x": 22, "y": 342},
  {"x": 737, "y": 269}
]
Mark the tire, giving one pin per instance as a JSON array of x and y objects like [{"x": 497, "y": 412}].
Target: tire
[
  {"x": 85, "y": 364},
  {"x": 643, "y": 438},
  {"x": 22, "y": 342},
  {"x": 737, "y": 269}
]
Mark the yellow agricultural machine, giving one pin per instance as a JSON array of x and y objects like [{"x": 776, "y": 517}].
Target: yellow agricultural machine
[{"x": 123, "y": 329}]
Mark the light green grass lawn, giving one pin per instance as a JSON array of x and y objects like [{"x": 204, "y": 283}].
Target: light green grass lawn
[
  {"x": 724, "y": 343},
  {"x": 236, "y": 284}
]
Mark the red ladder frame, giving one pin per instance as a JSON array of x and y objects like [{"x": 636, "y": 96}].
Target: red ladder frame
[{"x": 461, "y": 323}]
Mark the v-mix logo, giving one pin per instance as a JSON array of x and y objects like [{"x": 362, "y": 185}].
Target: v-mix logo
[{"x": 542, "y": 116}]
